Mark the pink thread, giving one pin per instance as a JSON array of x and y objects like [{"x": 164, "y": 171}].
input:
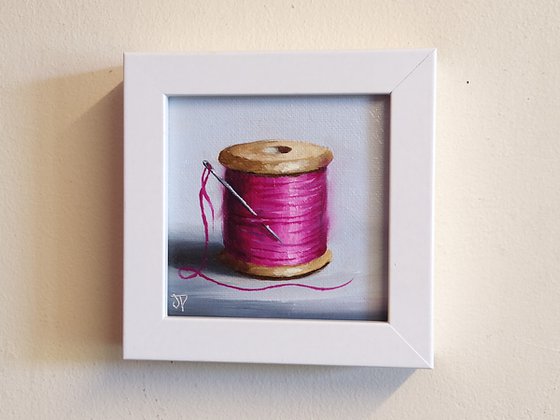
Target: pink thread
[
  {"x": 294, "y": 206},
  {"x": 285, "y": 213},
  {"x": 195, "y": 272}
]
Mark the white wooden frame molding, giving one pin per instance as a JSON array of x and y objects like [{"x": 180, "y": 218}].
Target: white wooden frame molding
[{"x": 408, "y": 76}]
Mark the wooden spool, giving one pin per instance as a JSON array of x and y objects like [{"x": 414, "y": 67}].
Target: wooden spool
[{"x": 276, "y": 158}]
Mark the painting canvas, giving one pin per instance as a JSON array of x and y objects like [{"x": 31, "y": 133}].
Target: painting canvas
[{"x": 278, "y": 206}]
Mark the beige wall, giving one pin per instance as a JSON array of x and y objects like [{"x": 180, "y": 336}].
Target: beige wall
[{"x": 497, "y": 299}]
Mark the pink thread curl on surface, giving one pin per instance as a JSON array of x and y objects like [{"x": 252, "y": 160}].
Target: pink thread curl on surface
[{"x": 280, "y": 216}]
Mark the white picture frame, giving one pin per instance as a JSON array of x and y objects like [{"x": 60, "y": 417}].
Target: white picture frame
[{"x": 406, "y": 339}]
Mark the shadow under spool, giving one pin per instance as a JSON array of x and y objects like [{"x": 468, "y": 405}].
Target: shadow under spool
[{"x": 275, "y": 158}]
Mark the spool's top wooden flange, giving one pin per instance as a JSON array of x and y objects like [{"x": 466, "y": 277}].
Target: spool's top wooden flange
[{"x": 275, "y": 157}]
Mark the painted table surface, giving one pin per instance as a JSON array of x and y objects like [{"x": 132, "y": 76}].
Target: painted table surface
[{"x": 355, "y": 128}]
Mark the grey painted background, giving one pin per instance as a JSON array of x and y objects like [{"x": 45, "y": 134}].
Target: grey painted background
[{"x": 354, "y": 128}]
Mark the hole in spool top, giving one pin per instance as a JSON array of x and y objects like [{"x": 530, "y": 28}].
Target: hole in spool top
[{"x": 275, "y": 150}]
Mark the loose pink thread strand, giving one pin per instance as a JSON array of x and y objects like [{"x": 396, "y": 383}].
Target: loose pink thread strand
[{"x": 198, "y": 272}]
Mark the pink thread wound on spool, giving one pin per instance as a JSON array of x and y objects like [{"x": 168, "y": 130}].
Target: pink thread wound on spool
[
  {"x": 285, "y": 183},
  {"x": 188, "y": 273},
  {"x": 293, "y": 206}
]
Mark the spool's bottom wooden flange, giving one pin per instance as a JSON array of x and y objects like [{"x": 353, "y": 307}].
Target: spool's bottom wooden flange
[{"x": 276, "y": 273}]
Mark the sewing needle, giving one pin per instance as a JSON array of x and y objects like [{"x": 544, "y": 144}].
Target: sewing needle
[{"x": 228, "y": 187}]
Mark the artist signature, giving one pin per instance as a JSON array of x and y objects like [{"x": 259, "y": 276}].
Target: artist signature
[{"x": 179, "y": 301}]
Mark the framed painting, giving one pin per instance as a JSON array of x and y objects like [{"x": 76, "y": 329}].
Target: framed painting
[{"x": 279, "y": 207}]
